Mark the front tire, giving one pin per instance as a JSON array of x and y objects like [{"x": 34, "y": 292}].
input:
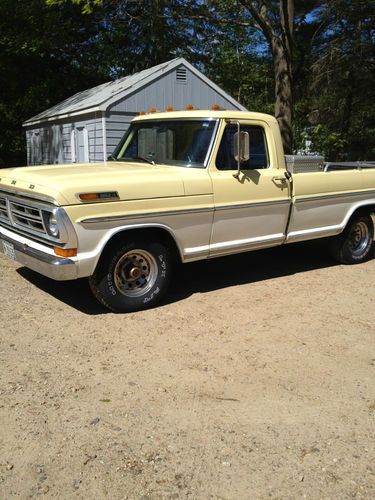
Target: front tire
[
  {"x": 354, "y": 245},
  {"x": 132, "y": 276}
]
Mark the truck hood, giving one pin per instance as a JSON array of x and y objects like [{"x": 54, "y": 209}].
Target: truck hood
[{"x": 132, "y": 181}]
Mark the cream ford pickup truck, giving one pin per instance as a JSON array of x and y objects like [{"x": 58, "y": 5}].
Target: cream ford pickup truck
[{"x": 181, "y": 185}]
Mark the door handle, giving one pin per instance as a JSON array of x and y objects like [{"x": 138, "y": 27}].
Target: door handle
[{"x": 279, "y": 179}]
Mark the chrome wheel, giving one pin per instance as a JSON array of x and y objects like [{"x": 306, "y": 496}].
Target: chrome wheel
[
  {"x": 358, "y": 238},
  {"x": 354, "y": 245},
  {"x": 135, "y": 273},
  {"x": 132, "y": 275}
]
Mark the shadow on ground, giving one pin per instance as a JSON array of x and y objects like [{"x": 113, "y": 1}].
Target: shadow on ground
[{"x": 203, "y": 276}]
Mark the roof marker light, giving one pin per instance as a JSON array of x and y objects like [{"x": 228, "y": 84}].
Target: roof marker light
[
  {"x": 169, "y": 108},
  {"x": 152, "y": 110},
  {"x": 215, "y": 107},
  {"x": 189, "y": 107}
]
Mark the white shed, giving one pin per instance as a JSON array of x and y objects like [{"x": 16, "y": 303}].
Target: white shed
[{"x": 88, "y": 126}]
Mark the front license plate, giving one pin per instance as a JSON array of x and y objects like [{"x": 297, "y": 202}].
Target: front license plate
[{"x": 8, "y": 249}]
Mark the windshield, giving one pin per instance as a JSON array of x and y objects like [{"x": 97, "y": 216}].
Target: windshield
[{"x": 172, "y": 142}]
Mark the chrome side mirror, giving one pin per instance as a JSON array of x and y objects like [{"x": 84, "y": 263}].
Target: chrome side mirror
[{"x": 241, "y": 148}]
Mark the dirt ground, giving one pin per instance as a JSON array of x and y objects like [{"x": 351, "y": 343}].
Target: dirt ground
[{"x": 254, "y": 380}]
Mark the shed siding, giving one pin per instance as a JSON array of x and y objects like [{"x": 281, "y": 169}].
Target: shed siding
[
  {"x": 28, "y": 146},
  {"x": 94, "y": 129},
  {"x": 45, "y": 144},
  {"x": 116, "y": 126},
  {"x": 95, "y": 132},
  {"x": 51, "y": 143},
  {"x": 166, "y": 91}
]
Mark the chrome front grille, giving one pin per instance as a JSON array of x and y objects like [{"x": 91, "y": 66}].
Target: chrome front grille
[
  {"x": 30, "y": 217},
  {"x": 3, "y": 209},
  {"x": 27, "y": 217}
]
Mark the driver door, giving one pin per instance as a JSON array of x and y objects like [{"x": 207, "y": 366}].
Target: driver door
[{"x": 251, "y": 211}]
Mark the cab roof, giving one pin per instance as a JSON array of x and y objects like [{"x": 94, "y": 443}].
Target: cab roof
[{"x": 206, "y": 113}]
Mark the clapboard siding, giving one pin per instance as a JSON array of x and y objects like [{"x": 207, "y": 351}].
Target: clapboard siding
[
  {"x": 167, "y": 91},
  {"x": 52, "y": 143},
  {"x": 175, "y": 83},
  {"x": 116, "y": 126}
]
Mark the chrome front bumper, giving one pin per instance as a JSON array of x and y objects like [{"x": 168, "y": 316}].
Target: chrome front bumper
[{"x": 57, "y": 268}]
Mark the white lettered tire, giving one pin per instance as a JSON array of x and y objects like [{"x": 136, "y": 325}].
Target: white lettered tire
[
  {"x": 355, "y": 244},
  {"x": 132, "y": 275}
]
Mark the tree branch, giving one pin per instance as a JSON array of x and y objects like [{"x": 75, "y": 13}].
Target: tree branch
[
  {"x": 287, "y": 21},
  {"x": 260, "y": 17},
  {"x": 211, "y": 19}
]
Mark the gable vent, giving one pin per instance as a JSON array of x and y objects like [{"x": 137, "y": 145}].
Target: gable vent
[{"x": 181, "y": 75}]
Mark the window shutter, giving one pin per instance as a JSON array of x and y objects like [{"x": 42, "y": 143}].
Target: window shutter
[{"x": 181, "y": 75}]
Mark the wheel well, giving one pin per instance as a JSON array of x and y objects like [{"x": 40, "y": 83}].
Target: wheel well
[
  {"x": 365, "y": 210},
  {"x": 154, "y": 233}
]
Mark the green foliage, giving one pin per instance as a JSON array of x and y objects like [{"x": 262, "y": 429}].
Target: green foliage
[
  {"x": 50, "y": 49},
  {"x": 88, "y": 6},
  {"x": 46, "y": 55},
  {"x": 331, "y": 144},
  {"x": 341, "y": 89}
]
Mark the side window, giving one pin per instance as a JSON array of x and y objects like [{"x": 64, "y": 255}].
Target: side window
[{"x": 258, "y": 149}]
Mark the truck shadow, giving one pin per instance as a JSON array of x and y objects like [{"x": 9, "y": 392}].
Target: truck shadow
[
  {"x": 202, "y": 276},
  {"x": 249, "y": 267}
]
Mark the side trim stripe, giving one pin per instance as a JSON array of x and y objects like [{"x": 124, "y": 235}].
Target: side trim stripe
[
  {"x": 323, "y": 229},
  {"x": 332, "y": 196},
  {"x": 252, "y": 205},
  {"x": 234, "y": 243},
  {"x": 118, "y": 218},
  {"x": 182, "y": 212}
]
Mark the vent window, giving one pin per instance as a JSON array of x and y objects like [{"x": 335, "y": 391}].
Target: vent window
[{"x": 181, "y": 75}]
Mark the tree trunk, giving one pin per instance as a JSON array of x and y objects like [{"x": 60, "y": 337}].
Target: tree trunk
[
  {"x": 279, "y": 35},
  {"x": 283, "y": 93}
]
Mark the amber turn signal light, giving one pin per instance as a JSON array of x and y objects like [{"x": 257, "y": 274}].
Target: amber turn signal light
[
  {"x": 65, "y": 252},
  {"x": 110, "y": 195},
  {"x": 88, "y": 196}
]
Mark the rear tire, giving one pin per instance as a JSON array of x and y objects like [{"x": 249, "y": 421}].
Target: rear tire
[
  {"x": 354, "y": 245},
  {"x": 132, "y": 276}
]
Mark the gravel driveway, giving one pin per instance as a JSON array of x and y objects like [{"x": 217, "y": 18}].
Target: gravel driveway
[{"x": 254, "y": 380}]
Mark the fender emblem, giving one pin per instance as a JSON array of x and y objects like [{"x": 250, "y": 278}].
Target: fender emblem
[{"x": 32, "y": 186}]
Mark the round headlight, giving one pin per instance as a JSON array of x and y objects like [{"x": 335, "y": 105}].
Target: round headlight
[{"x": 53, "y": 227}]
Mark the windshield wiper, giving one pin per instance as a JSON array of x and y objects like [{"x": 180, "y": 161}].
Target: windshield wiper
[{"x": 145, "y": 159}]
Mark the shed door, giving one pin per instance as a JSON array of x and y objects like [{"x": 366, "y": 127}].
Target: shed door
[
  {"x": 80, "y": 145},
  {"x": 36, "y": 149},
  {"x": 56, "y": 144}
]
